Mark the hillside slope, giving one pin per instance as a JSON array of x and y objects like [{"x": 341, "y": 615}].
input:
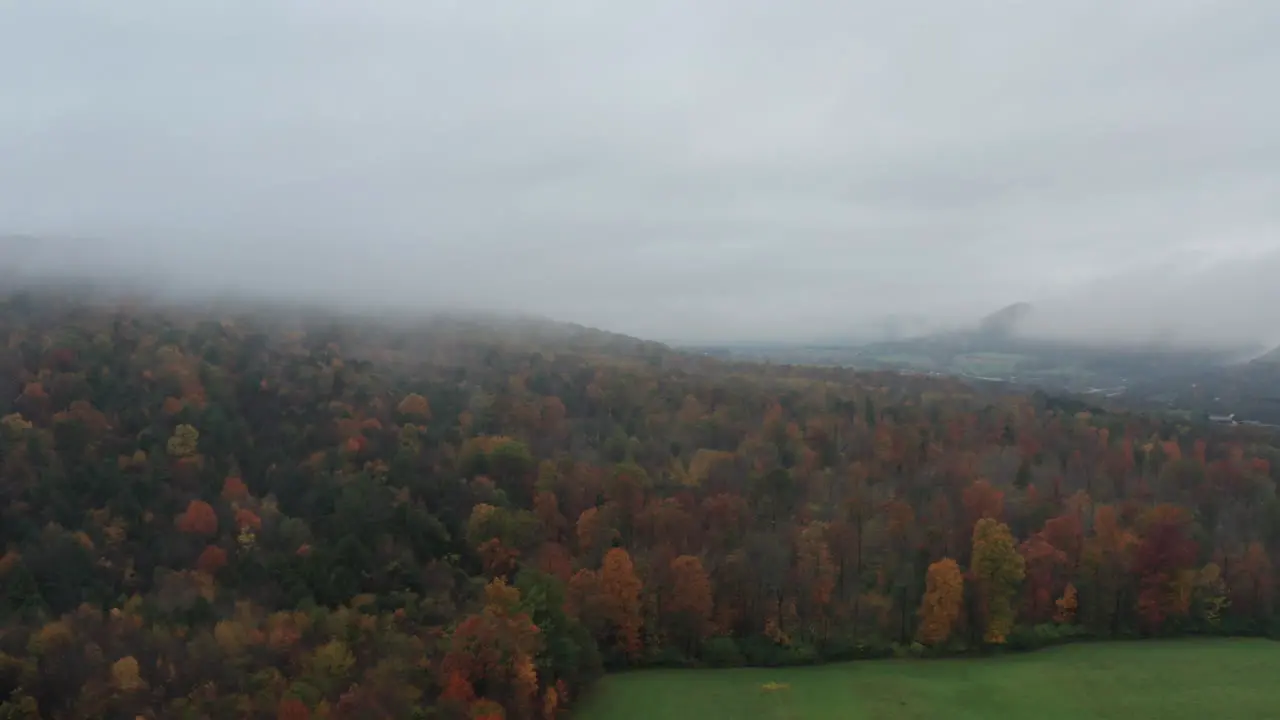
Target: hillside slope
[{"x": 289, "y": 515}]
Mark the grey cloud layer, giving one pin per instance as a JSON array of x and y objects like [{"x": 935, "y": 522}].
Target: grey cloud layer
[{"x": 677, "y": 170}]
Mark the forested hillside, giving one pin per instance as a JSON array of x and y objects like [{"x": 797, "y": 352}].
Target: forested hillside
[{"x": 255, "y": 516}]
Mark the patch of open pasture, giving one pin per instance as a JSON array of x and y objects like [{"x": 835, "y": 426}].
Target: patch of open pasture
[{"x": 1169, "y": 680}]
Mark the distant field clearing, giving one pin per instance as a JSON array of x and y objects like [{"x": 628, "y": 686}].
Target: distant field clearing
[
  {"x": 1165, "y": 680},
  {"x": 988, "y": 363}
]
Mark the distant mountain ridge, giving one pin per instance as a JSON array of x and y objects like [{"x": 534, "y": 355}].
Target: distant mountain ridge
[
  {"x": 1006, "y": 320},
  {"x": 1271, "y": 357},
  {"x": 1155, "y": 370}
]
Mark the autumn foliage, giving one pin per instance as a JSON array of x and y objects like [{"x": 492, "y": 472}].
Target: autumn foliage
[
  {"x": 942, "y": 602},
  {"x": 620, "y": 598},
  {"x": 233, "y": 488},
  {"x": 292, "y": 709},
  {"x": 1067, "y": 605},
  {"x": 212, "y": 559},
  {"x": 480, "y": 522},
  {"x": 198, "y": 519},
  {"x": 1164, "y": 562},
  {"x": 247, "y": 519},
  {"x": 690, "y": 601},
  {"x": 495, "y": 647},
  {"x": 998, "y": 570},
  {"x": 126, "y": 675},
  {"x": 416, "y": 406}
]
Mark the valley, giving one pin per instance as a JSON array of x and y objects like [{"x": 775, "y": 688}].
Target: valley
[{"x": 1198, "y": 382}]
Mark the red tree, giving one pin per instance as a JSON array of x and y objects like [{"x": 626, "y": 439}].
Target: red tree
[
  {"x": 1043, "y": 562},
  {"x": 292, "y": 709},
  {"x": 233, "y": 488},
  {"x": 211, "y": 560},
  {"x": 198, "y": 519},
  {"x": 688, "y": 606},
  {"x": 247, "y": 519},
  {"x": 1164, "y": 557},
  {"x": 495, "y": 646}
]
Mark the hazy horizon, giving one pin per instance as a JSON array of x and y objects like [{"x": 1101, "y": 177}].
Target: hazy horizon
[{"x": 685, "y": 173}]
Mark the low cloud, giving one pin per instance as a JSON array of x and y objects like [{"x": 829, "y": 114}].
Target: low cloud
[{"x": 705, "y": 171}]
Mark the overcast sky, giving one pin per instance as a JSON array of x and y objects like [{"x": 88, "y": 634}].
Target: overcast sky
[{"x": 678, "y": 170}]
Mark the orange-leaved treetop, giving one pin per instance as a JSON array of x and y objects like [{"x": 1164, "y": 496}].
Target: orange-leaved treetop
[{"x": 942, "y": 601}]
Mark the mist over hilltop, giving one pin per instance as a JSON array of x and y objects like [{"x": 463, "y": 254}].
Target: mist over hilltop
[
  {"x": 1234, "y": 302},
  {"x": 709, "y": 172}
]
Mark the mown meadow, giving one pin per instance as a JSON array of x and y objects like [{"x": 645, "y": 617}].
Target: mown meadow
[{"x": 1170, "y": 680}]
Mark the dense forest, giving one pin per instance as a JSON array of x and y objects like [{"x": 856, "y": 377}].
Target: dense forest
[{"x": 252, "y": 515}]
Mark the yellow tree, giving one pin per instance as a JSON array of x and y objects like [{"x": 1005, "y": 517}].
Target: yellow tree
[
  {"x": 1209, "y": 593},
  {"x": 998, "y": 570},
  {"x": 815, "y": 574},
  {"x": 415, "y": 406},
  {"x": 184, "y": 441},
  {"x": 125, "y": 674},
  {"x": 940, "y": 606}
]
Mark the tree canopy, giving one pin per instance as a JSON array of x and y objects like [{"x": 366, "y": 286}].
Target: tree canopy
[{"x": 265, "y": 516}]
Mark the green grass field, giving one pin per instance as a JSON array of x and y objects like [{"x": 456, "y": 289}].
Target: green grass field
[
  {"x": 991, "y": 363},
  {"x": 1173, "y": 680}
]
